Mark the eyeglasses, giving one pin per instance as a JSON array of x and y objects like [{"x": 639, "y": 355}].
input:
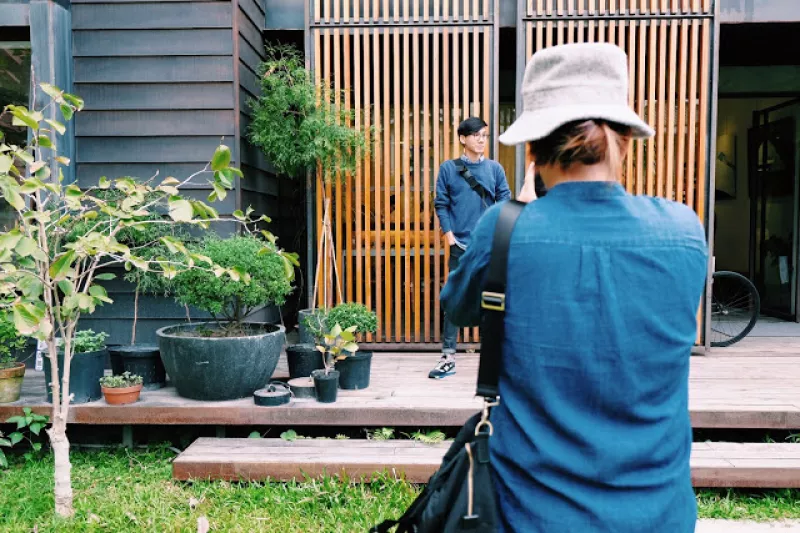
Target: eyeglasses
[{"x": 480, "y": 136}]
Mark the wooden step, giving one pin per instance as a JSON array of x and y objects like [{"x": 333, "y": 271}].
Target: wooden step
[{"x": 714, "y": 464}]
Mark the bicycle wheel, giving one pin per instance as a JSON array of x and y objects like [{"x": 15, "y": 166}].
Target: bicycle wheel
[{"x": 735, "y": 306}]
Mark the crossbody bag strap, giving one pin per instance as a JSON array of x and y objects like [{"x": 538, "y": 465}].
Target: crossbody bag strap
[
  {"x": 472, "y": 181},
  {"x": 493, "y": 301}
]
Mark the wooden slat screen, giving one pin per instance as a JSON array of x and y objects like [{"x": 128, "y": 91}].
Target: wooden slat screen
[
  {"x": 412, "y": 69},
  {"x": 668, "y": 43}
]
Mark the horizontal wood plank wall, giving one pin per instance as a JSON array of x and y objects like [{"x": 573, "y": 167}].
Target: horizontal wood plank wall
[
  {"x": 411, "y": 70},
  {"x": 668, "y": 46},
  {"x": 158, "y": 79}
]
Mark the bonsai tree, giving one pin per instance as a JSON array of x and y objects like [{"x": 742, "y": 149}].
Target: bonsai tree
[
  {"x": 230, "y": 301},
  {"x": 300, "y": 124},
  {"x": 336, "y": 344},
  {"x": 11, "y": 342},
  {"x": 353, "y": 315},
  {"x": 48, "y": 281}
]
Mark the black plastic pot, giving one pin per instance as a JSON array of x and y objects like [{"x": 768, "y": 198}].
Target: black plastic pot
[
  {"x": 84, "y": 375},
  {"x": 327, "y": 386},
  {"x": 354, "y": 371},
  {"x": 115, "y": 358},
  {"x": 303, "y": 359},
  {"x": 305, "y": 336},
  {"x": 143, "y": 360},
  {"x": 219, "y": 368},
  {"x": 27, "y": 354}
]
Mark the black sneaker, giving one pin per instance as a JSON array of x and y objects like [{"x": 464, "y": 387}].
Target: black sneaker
[{"x": 445, "y": 367}]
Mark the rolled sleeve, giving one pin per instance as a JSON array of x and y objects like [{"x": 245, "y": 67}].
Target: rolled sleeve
[{"x": 461, "y": 296}]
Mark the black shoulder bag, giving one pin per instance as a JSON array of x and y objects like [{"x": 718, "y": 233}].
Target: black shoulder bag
[
  {"x": 459, "y": 497},
  {"x": 472, "y": 181}
]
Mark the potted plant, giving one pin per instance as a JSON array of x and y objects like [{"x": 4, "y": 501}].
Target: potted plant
[
  {"x": 354, "y": 367},
  {"x": 89, "y": 356},
  {"x": 303, "y": 358},
  {"x": 121, "y": 390},
  {"x": 12, "y": 371},
  {"x": 300, "y": 127},
  {"x": 228, "y": 358},
  {"x": 335, "y": 342}
]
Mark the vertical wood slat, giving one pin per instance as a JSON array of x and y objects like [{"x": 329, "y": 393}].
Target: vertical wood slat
[
  {"x": 671, "y": 92},
  {"x": 348, "y": 279},
  {"x": 702, "y": 121},
  {"x": 630, "y": 177},
  {"x": 662, "y": 88},
  {"x": 387, "y": 205},
  {"x": 680, "y": 183},
  {"x": 406, "y": 280},
  {"x": 417, "y": 162},
  {"x": 640, "y": 105},
  {"x": 437, "y": 146},
  {"x": 378, "y": 224},
  {"x": 358, "y": 279},
  {"x": 651, "y": 105},
  {"x": 426, "y": 180},
  {"x": 397, "y": 169},
  {"x": 691, "y": 148},
  {"x": 368, "y": 196}
]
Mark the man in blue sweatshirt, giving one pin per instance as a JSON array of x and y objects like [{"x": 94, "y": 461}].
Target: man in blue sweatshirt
[{"x": 465, "y": 188}]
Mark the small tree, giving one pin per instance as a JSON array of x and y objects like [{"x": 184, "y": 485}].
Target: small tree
[{"x": 49, "y": 270}]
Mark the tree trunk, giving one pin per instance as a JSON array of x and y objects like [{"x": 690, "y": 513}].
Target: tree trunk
[{"x": 63, "y": 468}]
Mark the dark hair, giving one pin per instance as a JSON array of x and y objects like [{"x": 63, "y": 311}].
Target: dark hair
[
  {"x": 584, "y": 141},
  {"x": 471, "y": 125}
]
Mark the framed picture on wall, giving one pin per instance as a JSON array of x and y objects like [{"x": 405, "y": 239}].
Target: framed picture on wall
[{"x": 725, "y": 172}]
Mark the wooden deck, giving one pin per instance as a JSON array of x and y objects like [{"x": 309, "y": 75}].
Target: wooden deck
[
  {"x": 717, "y": 464},
  {"x": 751, "y": 385}
]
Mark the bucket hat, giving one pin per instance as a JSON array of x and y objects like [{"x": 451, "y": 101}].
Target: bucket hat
[{"x": 572, "y": 82}]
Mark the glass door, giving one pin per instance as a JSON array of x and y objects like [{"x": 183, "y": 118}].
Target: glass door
[{"x": 773, "y": 193}]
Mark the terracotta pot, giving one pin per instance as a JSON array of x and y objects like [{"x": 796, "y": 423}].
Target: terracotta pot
[
  {"x": 11, "y": 382},
  {"x": 121, "y": 396}
]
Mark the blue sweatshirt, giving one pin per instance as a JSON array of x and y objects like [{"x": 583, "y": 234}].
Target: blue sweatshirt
[{"x": 457, "y": 205}]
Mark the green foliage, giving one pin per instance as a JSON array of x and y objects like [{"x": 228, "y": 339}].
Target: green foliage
[
  {"x": 380, "y": 434},
  {"x": 269, "y": 271},
  {"x": 120, "y": 382},
  {"x": 315, "y": 323},
  {"x": 10, "y": 340},
  {"x": 336, "y": 345},
  {"x": 430, "y": 437},
  {"x": 356, "y": 315},
  {"x": 297, "y": 123},
  {"x": 290, "y": 435},
  {"x": 30, "y": 423},
  {"x": 85, "y": 341}
]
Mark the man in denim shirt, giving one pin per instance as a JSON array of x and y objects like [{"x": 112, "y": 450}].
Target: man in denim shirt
[{"x": 465, "y": 188}]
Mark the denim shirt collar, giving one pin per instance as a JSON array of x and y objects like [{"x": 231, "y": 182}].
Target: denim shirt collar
[
  {"x": 587, "y": 189},
  {"x": 467, "y": 160}
]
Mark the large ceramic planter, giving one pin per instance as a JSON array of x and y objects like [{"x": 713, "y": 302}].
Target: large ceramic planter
[
  {"x": 219, "y": 368},
  {"x": 143, "y": 360},
  {"x": 121, "y": 395},
  {"x": 354, "y": 371},
  {"x": 11, "y": 382},
  {"x": 84, "y": 375}
]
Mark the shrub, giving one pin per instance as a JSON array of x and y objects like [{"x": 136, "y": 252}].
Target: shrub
[
  {"x": 353, "y": 315},
  {"x": 87, "y": 340},
  {"x": 269, "y": 273},
  {"x": 10, "y": 341},
  {"x": 296, "y": 121}
]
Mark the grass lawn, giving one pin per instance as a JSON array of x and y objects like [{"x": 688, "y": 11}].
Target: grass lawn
[{"x": 123, "y": 491}]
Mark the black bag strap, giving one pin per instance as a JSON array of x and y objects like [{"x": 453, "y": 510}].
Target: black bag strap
[
  {"x": 472, "y": 181},
  {"x": 493, "y": 301}
]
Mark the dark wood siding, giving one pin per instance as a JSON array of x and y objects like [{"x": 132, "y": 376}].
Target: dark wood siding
[
  {"x": 159, "y": 82},
  {"x": 261, "y": 187}
]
